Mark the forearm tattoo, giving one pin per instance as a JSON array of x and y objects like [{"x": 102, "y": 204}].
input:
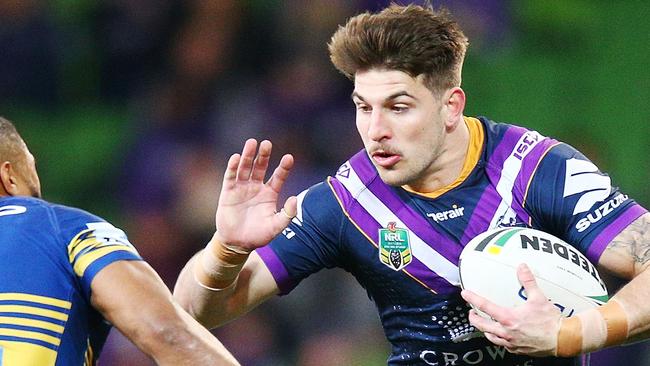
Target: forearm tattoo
[{"x": 634, "y": 241}]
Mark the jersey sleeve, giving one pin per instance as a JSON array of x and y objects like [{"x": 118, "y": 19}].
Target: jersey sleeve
[
  {"x": 571, "y": 198},
  {"x": 92, "y": 244},
  {"x": 310, "y": 242}
]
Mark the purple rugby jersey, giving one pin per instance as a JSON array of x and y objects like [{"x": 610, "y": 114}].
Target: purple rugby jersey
[{"x": 403, "y": 247}]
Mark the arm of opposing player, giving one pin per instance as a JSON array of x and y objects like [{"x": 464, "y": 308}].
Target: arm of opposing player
[
  {"x": 131, "y": 296},
  {"x": 213, "y": 307}
]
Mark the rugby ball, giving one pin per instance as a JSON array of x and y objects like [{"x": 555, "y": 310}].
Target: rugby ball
[{"x": 488, "y": 267}]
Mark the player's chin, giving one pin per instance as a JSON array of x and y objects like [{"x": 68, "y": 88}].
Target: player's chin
[{"x": 393, "y": 176}]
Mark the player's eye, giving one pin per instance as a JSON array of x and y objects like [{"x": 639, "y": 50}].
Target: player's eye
[
  {"x": 399, "y": 108},
  {"x": 363, "y": 108}
]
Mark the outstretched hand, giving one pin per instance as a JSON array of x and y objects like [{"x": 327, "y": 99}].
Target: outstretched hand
[
  {"x": 247, "y": 216},
  {"x": 530, "y": 328}
]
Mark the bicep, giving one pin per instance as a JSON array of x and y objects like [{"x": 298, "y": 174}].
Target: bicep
[
  {"x": 628, "y": 254},
  {"x": 131, "y": 296}
]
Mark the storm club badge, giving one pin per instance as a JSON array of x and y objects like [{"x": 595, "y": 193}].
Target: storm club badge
[{"x": 394, "y": 247}]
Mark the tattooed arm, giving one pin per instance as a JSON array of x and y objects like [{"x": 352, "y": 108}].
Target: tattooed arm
[
  {"x": 628, "y": 257},
  {"x": 629, "y": 253}
]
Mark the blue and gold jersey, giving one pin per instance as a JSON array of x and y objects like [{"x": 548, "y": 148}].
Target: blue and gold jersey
[
  {"x": 403, "y": 247},
  {"x": 49, "y": 255}
]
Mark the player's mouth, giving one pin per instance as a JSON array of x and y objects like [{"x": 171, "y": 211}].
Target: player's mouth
[{"x": 385, "y": 159}]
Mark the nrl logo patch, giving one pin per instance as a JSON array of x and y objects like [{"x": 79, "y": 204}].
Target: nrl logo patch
[{"x": 394, "y": 247}]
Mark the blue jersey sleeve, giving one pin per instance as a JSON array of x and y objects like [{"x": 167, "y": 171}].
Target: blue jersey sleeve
[
  {"x": 92, "y": 244},
  {"x": 310, "y": 242},
  {"x": 572, "y": 199}
]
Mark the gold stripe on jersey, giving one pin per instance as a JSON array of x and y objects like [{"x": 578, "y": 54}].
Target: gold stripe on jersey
[
  {"x": 26, "y": 354},
  {"x": 474, "y": 150},
  {"x": 32, "y": 323},
  {"x": 86, "y": 248},
  {"x": 80, "y": 242},
  {"x": 35, "y": 298},
  {"x": 81, "y": 264},
  {"x": 28, "y": 334},
  {"x": 24, "y": 309}
]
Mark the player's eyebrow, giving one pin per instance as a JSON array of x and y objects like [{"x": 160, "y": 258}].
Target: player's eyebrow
[{"x": 388, "y": 98}]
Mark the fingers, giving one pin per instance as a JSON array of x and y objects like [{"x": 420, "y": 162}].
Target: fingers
[
  {"x": 246, "y": 160},
  {"x": 261, "y": 162},
  {"x": 527, "y": 279},
  {"x": 497, "y": 340},
  {"x": 231, "y": 170},
  {"x": 486, "y": 306},
  {"x": 281, "y": 173},
  {"x": 253, "y": 163},
  {"x": 486, "y": 325}
]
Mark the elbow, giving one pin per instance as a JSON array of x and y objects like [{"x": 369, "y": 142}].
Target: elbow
[
  {"x": 169, "y": 334},
  {"x": 168, "y": 341}
]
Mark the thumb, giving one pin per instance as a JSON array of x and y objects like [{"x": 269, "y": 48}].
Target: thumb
[
  {"x": 291, "y": 206},
  {"x": 289, "y": 210},
  {"x": 527, "y": 280}
]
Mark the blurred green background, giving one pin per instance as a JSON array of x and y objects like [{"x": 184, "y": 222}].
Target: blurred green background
[{"x": 573, "y": 69}]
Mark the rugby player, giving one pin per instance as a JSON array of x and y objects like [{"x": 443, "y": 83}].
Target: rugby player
[
  {"x": 397, "y": 214},
  {"x": 67, "y": 276}
]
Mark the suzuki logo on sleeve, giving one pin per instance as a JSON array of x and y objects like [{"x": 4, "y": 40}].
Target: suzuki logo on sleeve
[{"x": 583, "y": 177}]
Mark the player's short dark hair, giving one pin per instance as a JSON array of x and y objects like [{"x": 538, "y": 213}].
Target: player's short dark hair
[
  {"x": 11, "y": 144},
  {"x": 414, "y": 39}
]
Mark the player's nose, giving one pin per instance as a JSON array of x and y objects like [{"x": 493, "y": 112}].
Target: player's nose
[{"x": 378, "y": 126}]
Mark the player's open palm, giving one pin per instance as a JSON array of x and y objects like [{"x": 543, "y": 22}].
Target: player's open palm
[{"x": 247, "y": 215}]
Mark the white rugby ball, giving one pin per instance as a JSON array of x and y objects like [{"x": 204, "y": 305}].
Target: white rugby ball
[{"x": 488, "y": 267}]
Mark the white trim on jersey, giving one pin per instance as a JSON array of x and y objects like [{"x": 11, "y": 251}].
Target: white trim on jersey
[
  {"x": 420, "y": 250},
  {"x": 509, "y": 172},
  {"x": 298, "y": 219},
  {"x": 109, "y": 234},
  {"x": 582, "y": 176}
]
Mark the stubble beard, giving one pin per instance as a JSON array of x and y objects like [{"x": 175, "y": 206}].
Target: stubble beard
[{"x": 397, "y": 177}]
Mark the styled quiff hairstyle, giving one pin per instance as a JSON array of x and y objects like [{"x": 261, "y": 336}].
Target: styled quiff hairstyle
[{"x": 413, "y": 39}]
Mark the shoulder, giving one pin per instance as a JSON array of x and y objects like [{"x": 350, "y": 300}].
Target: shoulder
[
  {"x": 562, "y": 163},
  {"x": 317, "y": 203},
  {"x": 43, "y": 213},
  {"x": 71, "y": 221},
  {"x": 507, "y": 141},
  {"x": 66, "y": 222}
]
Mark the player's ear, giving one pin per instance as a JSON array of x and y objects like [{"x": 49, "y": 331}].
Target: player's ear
[
  {"x": 8, "y": 179},
  {"x": 454, "y": 105}
]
